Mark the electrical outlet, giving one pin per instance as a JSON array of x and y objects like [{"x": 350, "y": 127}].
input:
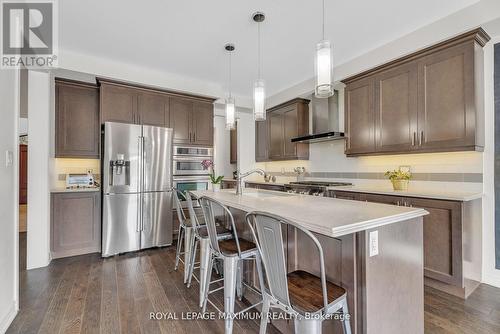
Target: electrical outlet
[
  {"x": 373, "y": 243},
  {"x": 90, "y": 171},
  {"x": 9, "y": 158}
]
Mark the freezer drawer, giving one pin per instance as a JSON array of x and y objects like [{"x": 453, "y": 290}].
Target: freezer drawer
[
  {"x": 121, "y": 224},
  {"x": 157, "y": 219}
]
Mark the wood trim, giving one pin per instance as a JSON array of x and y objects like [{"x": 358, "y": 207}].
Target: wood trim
[
  {"x": 477, "y": 35},
  {"x": 430, "y": 150},
  {"x": 154, "y": 89},
  {"x": 64, "y": 81},
  {"x": 287, "y": 103}
]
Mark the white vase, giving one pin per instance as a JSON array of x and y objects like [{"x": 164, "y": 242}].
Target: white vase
[{"x": 215, "y": 186}]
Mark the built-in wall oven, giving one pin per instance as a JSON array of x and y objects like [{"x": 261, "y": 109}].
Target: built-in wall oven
[
  {"x": 187, "y": 160},
  {"x": 188, "y": 173}
]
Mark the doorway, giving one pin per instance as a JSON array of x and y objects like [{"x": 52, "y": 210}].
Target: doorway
[{"x": 23, "y": 168}]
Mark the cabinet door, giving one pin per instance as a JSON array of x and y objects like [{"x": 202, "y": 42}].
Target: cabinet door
[
  {"x": 275, "y": 135},
  {"x": 290, "y": 130},
  {"x": 233, "y": 139},
  {"x": 344, "y": 195},
  {"x": 118, "y": 104},
  {"x": 442, "y": 239},
  {"x": 77, "y": 121},
  {"x": 396, "y": 109},
  {"x": 384, "y": 199},
  {"x": 180, "y": 116},
  {"x": 261, "y": 144},
  {"x": 446, "y": 116},
  {"x": 152, "y": 109},
  {"x": 202, "y": 124},
  {"x": 75, "y": 223},
  {"x": 360, "y": 117}
]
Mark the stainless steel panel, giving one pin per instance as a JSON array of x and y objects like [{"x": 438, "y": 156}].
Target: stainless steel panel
[
  {"x": 157, "y": 157},
  {"x": 157, "y": 220},
  {"x": 193, "y": 151},
  {"x": 190, "y": 166},
  {"x": 121, "y": 139},
  {"x": 120, "y": 231}
]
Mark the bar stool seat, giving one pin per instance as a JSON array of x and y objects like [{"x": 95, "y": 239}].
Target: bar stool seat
[
  {"x": 229, "y": 246},
  {"x": 306, "y": 294},
  {"x": 221, "y": 231}
]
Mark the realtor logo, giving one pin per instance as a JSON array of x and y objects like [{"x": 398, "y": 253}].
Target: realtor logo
[{"x": 29, "y": 34}]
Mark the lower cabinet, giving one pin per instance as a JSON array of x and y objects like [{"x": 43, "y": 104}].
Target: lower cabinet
[
  {"x": 265, "y": 186},
  {"x": 228, "y": 184},
  {"x": 75, "y": 227},
  {"x": 443, "y": 237}
]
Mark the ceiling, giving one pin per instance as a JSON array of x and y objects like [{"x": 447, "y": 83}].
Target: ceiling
[{"x": 187, "y": 37}]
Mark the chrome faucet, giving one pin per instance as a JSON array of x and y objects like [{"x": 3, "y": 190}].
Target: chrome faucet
[{"x": 240, "y": 176}]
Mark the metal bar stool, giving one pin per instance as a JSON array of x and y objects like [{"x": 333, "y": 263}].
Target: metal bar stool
[
  {"x": 185, "y": 235},
  {"x": 200, "y": 236},
  {"x": 231, "y": 253},
  {"x": 308, "y": 298}
]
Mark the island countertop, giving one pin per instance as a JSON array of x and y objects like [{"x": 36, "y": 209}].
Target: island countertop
[{"x": 327, "y": 216}]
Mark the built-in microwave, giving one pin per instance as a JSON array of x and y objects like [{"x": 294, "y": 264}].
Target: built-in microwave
[{"x": 187, "y": 160}]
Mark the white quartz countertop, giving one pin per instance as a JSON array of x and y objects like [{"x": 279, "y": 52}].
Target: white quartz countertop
[
  {"x": 74, "y": 190},
  {"x": 445, "y": 193},
  {"x": 328, "y": 216}
]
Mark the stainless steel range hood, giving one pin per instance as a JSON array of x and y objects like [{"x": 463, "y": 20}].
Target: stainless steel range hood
[{"x": 325, "y": 120}]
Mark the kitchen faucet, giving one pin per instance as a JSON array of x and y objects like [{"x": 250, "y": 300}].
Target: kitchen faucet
[{"x": 240, "y": 176}]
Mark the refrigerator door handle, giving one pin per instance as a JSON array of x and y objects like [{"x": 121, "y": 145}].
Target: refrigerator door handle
[
  {"x": 139, "y": 198},
  {"x": 142, "y": 183}
]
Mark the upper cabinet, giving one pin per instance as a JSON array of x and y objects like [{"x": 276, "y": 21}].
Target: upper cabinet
[
  {"x": 77, "y": 131},
  {"x": 192, "y": 121},
  {"x": 284, "y": 122},
  {"x": 429, "y": 101},
  {"x": 261, "y": 141},
  {"x": 233, "y": 144},
  {"x": 191, "y": 117}
]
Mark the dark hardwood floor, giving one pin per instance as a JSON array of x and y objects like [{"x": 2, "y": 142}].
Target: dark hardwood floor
[{"x": 87, "y": 294}]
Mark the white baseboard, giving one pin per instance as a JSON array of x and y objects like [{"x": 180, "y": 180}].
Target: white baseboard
[
  {"x": 9, "y": 317},
  {"x": 492, "y": 278}
]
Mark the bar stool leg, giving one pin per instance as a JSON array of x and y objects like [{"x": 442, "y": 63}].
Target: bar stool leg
[
  {"x": 239, "y": 280},
  {"x": 207, "y": 283},
  {"x": 266, "y": 304},
  {"x": 204, "y": 262},
  {"x": 188, "y": 241},
  {"x": 180, "y": 239},
  {"x": 193, "y": 260},
  {"x": 230, "y": 274},
  {"x": 347, "y": 322},
  {"x": 307, "y": 326}
]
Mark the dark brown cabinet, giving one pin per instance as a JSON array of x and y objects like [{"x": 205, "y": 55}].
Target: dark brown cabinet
[
  {"x": 233, "y": 145},
  {"x": 265, "y": 186},
  {"x": 77, "y": 131},
  {"x": 75, "y": 223},
  {"x": 192, "y": 121},
  {"x": 429, "y": 101},
  {"x": 261, "y": 141},
  {"x": 286, "y": 121},
  {"x": 118, "y": 104},
  {"x": 153, "y": 109}
]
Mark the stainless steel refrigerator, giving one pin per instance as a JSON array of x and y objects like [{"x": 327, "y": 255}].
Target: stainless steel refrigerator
[{"x": 137, "y": 187}]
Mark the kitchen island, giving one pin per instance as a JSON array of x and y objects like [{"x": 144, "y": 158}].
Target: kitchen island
[{"x": 380, "y": 301}]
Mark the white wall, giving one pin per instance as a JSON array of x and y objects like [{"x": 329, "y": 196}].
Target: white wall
[
  {"x": 222, "y": 143},
  {"x": 490, "y": 274},
  {"x": 40, "y": 106},
  {"x": 246, "y": 140},
  {"x": 9, "y": 105}
]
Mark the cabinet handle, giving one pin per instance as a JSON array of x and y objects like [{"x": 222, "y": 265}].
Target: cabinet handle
[
  {"x": 421, "y": 138},
  {"x": 398, "y": 203}
]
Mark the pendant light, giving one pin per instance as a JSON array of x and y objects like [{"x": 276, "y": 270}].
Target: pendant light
[
  {"x": 259, "y": 88},
  {"x": 324, "y": 67},
  {"x": 230, "y": 109}
]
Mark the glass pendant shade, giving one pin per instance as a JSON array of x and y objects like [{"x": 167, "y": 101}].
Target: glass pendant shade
[
  {"x": 230, "y": 113},
  {"x": 259, "y": 100},
  {"x": 324, "y": 84}
]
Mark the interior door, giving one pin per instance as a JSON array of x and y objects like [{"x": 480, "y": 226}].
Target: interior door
[
  {"x": 121, "y": 229},
  {"x": 157, "y": 158},
  {"x": 157, "y": 220}
]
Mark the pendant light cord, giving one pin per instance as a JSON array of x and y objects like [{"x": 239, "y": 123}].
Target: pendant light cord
[
  {"x": 230, "y": 75},
  {"x": 259, "y": 56},
  {"x": 323, "y": 26}
]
